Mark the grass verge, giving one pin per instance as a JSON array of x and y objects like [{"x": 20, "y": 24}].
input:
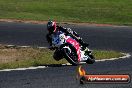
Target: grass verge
[
  {"x": 26, "y": 57},
  {"x": 91, "y": 11}
]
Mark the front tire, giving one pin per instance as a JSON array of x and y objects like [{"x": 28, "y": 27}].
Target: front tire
[{"x": 71, "y": 57}]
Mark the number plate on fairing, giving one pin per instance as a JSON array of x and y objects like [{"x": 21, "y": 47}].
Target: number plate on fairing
[{"x": 58, "y": 39}]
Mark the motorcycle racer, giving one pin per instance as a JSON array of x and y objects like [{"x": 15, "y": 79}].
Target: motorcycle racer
[{"x": 52, "y": 28}]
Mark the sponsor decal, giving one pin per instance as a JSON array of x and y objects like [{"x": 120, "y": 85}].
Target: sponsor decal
[{"x": 101, "y": 78}]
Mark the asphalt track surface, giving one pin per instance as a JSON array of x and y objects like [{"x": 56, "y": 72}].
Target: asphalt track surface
[{"x": 106, "y": 38}]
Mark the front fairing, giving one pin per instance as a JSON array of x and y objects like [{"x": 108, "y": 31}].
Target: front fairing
[{"x": 58, "y": 39}]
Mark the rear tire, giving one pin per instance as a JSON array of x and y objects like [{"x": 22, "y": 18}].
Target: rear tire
[
  {"x": 91, "y": 59},
  {"x": 57, "y": 55}
]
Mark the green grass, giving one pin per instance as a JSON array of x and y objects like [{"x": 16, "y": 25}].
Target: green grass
[
  {"x": 91, "y": 11},
  {"x": 103, "y": 54},
  {"x": 26, "y": 57}
]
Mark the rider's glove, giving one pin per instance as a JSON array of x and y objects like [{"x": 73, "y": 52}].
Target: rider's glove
[
  {"x": 79, "y": 38},
  {"x": 70, "y": 30}
]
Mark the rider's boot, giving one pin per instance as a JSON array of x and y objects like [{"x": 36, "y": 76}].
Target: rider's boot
[{"x": 83, "y": 43}]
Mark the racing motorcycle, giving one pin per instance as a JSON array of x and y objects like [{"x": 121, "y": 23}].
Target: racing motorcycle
[{"x": 68, "y": 48}]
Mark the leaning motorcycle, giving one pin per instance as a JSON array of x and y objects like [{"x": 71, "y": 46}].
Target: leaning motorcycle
[{"x": 68, "y": 48}]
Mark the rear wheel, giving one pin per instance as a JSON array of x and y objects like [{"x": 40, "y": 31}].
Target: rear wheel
[
  {"x": 91, "y": 59},
  {"x": 71, "y": 56},
  {"x": 57, "y": 55}
]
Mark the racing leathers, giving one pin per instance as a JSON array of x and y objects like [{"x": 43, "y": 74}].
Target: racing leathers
[{"x": 67, "y": 31}]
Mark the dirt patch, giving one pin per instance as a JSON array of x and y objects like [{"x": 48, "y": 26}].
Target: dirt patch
[
  {"x": 45, "y": 22},
  {"x": 12, "y": 54},
  {"x": 23, "y": 21}
]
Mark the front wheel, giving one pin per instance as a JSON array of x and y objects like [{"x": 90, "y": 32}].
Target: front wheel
[{"x": 71, "y": 56}]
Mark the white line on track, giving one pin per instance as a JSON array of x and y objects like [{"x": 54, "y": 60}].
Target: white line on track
[
  {"x": 18, "y": 69},
  {"x": 126, "y": 55}
]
